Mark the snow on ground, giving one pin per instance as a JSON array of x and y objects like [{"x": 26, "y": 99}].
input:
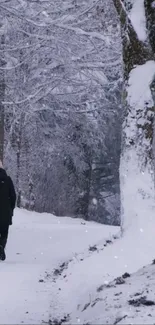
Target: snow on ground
[
  {"x": 126, "y": 300},
  {"x": 37, "y": 244},
  {"x": 32, "y": 293},
  {"x": 78, "y": 285}
]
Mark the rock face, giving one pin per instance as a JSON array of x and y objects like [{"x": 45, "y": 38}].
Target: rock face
[{"x": 63, "y": 107}]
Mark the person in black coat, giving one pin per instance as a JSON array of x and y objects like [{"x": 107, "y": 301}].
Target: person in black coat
[{"x": 7, "y": 205}]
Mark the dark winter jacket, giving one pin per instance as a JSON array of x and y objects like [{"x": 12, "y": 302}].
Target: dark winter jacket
[{"x": 7, "y": 198}]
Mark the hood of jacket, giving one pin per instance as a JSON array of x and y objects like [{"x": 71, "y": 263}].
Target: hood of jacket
[{"x": 3, "y": 174}]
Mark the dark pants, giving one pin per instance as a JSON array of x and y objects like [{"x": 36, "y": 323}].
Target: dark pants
[{"x": 4, "y": 230}]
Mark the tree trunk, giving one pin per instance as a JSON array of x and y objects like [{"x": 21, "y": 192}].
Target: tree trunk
[
  {"x": 2, "y": 94},
  {"x": 19, "y": 144},
  {"x": 137, "y": 163}
]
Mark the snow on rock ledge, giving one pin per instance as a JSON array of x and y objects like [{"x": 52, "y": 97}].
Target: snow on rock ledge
[
  {"x": 138, "y": 19},
  {"x": 136, "y": 168},
  {"x": 139, "y": 84}
]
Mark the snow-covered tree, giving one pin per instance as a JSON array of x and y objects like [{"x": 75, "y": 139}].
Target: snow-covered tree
[
  {"x": 2, "y": 85},
  {"x": 137, "y": 19},
  {"x": 62, "y": 73}
]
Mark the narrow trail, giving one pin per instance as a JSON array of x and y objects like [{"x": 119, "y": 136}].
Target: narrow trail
[{"x": 38, "y": 244}]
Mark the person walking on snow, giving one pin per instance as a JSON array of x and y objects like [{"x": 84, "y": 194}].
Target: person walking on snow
[{"x": 7, "y": 205}]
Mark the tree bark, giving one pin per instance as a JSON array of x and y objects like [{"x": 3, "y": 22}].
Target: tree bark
[{"x": 150, "y": 15}]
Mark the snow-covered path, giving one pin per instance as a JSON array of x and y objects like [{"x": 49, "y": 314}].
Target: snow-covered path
[
  {"x": 37, "y": 244},
  {"x": 75, "y": 292}
]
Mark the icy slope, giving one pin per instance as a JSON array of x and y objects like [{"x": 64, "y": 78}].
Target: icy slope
[
  {"x": 77, "y": 286},
  {"x": 129, "y": 299}
]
